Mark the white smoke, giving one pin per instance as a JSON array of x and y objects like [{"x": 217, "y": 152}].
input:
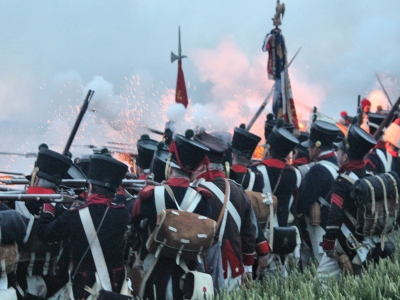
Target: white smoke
[{"x": 176, "y": 112}]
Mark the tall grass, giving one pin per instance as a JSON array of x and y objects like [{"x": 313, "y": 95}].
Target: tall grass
[{"x": 379, "y": 281}]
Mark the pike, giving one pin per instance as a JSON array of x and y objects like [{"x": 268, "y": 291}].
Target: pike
[
  {"x": 78, "y": 121},
  {"x": 266, "y": 100},
  {"x": 383, "y": 88},
  {"x": 179, "y": 56}
]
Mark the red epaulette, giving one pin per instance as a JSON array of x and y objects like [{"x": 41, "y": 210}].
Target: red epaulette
[{"x": 146, "y": 193}]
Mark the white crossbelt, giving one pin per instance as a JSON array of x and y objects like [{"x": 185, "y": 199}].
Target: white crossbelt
[
  {"x": 189, "y": 202},
  {"x": 95, "y": 247},
  {"x": 386, "y": 159},
  {"x": 220, "y": 195}
]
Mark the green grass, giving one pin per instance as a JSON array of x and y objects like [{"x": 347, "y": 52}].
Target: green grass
[{"x": 379, "y": 281}]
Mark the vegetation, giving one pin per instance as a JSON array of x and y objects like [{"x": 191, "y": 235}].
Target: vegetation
[{"x": 379, "y": 281}]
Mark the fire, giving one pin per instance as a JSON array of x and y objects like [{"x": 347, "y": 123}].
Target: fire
[{"x": 258, "y": 153}]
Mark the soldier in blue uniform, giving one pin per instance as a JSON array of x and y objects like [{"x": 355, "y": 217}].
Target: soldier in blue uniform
[
  {"x": 243, "y": 145},
  {"x": 163, "y": 274},
  {"x": 110, "y": 221},
  {"x": 281, "y": 180},
  {"x": 335, "y": 242},
  {"x": 317, "y": 183}
]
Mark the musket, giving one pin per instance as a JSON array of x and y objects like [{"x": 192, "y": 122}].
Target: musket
[
  {"x": 78, "y": 121},
  {"x": 383, "y": 88},
  {"x": 386, "y": 121},
  {"x": 45, "y": 198},
  {"x": 75, "y": 183},
  {"x": 266, "y": 100}
]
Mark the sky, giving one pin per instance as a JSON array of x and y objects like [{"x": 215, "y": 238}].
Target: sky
[{"x": 52, "y": 52}]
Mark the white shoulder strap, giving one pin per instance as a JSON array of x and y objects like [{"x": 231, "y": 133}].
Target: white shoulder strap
[
  {"x": 220, "y": 195},
  {"x": 384, "y": 159},
  {"x": 350, "y": 177},
  {"x": 159, "y": 198},
  {"x": 298, "y": 177},
  {"x": 267, "y": 183},
  {"x": 332, "y": 168},
  {"x": 21, "y": 208},
  {"x": 191, "y": 200},
  {"x": 251, "y": 180},
  {"x": 95, "y": 247}
]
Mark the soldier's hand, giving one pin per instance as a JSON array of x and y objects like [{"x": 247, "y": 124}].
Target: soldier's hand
[
  {"x": 247, "y": 277},
  {"x": 263, "y": 262}
]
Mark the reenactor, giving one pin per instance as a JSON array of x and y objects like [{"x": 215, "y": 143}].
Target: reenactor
[
  {"x": 163, "y": 274},
  {"x": 110, "y": 220},
  {"x": 237, "y": 253},
  {"x": 341, "y": 234},
  {"x": 316, "y": 184}
]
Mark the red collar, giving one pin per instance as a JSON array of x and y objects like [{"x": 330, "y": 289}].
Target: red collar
[
  {"x": 392, "y": 152},
  {"x": 214, "y": 174},
  {"x": 330, "y": 154},
  {"x": 39, "y": 190},
  {"x": 274, "y": 163},
  {"x": 98, "y": 199},
  {"x": 178, "y": 182},
  {"x": 300, "y": 161},
  {"x": 351, "y": 166},
  {"x": 239, "y": 168},
  {"x": 380, "y": 145}
]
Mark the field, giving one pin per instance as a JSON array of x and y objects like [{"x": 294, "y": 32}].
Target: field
[{"x": 379, "y": 281}]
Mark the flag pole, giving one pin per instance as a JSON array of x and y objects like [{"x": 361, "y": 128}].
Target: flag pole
[{"x": 266, "y": 100}]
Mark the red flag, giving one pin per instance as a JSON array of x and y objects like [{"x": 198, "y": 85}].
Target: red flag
[{"x": 181, "y": 94}]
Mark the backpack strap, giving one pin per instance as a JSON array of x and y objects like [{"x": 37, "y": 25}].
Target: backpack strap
[
  {"x": 267, "y": 184},
  {"x": 384, "y": 159},
  {"x": 252, "y": 179},
  {"x": 159, "y": 198},
  {"x": 298, "y": 177},
  {"x": 220, "y": 195},
  {"x": 190, "y": 200}
]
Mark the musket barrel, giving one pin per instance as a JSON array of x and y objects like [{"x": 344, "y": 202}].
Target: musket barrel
[
  {"x": 46, "y": 198},
  {"x": 78, "y": 121}
]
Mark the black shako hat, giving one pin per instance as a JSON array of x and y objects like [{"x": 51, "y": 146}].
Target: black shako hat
[
  {"x": 51, "y": 165},
  {"x": 322, "y": 135},
  {"x": 281, "y": 142},
  {"x": 83, "y": 163},
  {"x": 302, "y": 151},
  {"x": 146, "y": 148},
  {"x": 159, "y": 162},
  {"x": 106, "y": 171},
  {"x": 244, "y": 143},
  {"x": 374, "y": 121},
  {"x": 216, "y": 145},
  {"x": 186, "y": 153},
  {"x": 356, "y": 143}
]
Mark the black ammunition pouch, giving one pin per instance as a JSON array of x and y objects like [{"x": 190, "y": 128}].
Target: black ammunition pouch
[{"x": 284, "y": 240}]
